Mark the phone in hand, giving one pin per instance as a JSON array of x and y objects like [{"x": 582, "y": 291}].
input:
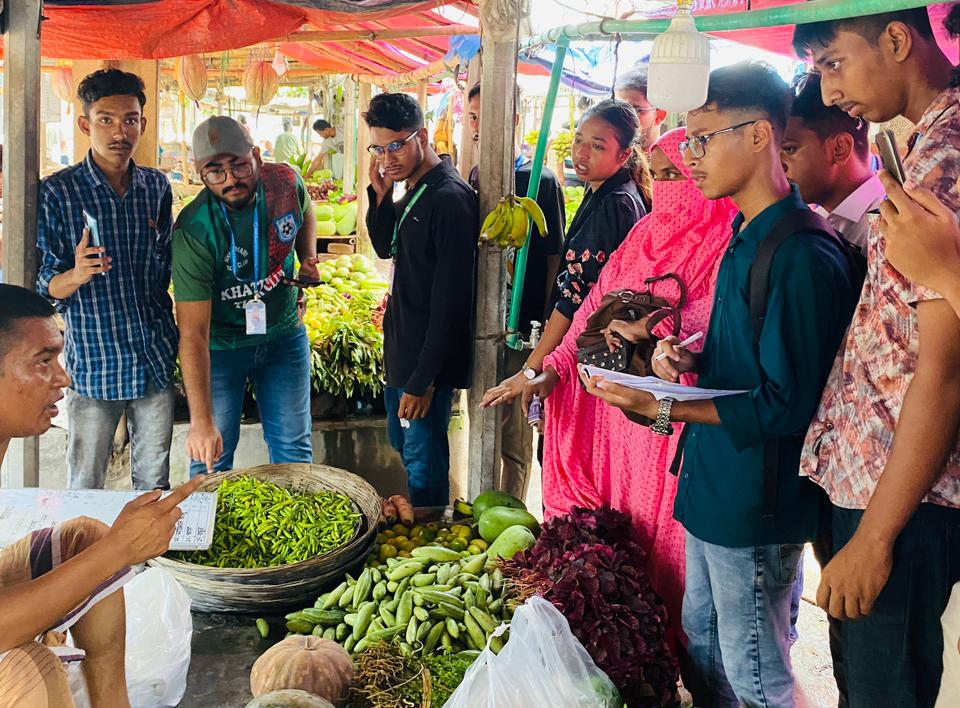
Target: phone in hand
[
  {"x": 93, "y": 227},
  {"x": 890, "y": 156}
]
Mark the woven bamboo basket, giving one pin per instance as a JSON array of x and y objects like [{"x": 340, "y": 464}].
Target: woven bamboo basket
[{"x": 280, "y": 587}]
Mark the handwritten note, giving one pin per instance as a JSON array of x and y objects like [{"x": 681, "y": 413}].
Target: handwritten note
[{"x": 26, "y": 510}]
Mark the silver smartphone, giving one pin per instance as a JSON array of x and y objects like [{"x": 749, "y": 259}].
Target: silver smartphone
[
  {"x": 93, "y": 227},
  {"x": 890, "y": 156}
]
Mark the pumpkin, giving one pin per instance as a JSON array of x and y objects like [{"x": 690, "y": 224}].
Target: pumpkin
[
  {"x": 192, "y": 76},
  {"x": 289, "y": 699},
  {"x": 318, "y": 666},
  {"x": 260, "y": 83},
  {"x": 62, "y": 81}
]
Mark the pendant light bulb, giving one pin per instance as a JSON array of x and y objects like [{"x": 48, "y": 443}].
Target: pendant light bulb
[{"x": 679, "y": 64}]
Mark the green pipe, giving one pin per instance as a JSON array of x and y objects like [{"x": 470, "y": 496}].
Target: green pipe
[
  {"x": 536, "y": 170},
  {"x": 799, "y": 13}
]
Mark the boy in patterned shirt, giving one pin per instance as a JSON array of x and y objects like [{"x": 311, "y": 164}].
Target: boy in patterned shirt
[{"x": 884, "y": 443}]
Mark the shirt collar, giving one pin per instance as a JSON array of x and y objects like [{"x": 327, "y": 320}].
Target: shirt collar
[
  {"x": 941, "y": 104},
  {"x": 867, "y": 196},
  {"x": 96, "y": 177},
  {"x": 763, "y": 221},
  {"x": 435, "y": 174}
]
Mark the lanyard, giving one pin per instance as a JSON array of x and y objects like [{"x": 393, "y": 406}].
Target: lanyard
[
  {"x": 256, "y": 244},
  {"x": 396, "y": 227}
]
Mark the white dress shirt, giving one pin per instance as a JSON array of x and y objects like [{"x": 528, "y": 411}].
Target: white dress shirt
[{"x": 852, "y": 218}]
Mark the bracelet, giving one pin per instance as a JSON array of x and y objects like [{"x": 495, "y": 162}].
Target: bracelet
[{"x": 661, "y": 426}]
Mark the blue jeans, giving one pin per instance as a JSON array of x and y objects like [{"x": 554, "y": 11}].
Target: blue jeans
[
  {"x": 736, "y": 615},
  {"x": 92, "y": 424},
  {"x": 279, "y": 372},
  {"x": 423, "y": 447},
  {"x": 795, "y": 601}
]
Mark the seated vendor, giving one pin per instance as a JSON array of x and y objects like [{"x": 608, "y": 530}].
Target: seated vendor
[{"x": 64, "y": 577}]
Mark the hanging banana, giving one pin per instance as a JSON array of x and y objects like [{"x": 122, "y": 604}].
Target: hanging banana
[{"x": 507, "y": 225}]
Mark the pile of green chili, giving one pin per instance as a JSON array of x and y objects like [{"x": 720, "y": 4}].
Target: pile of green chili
[{"x": 260, "y": 524}]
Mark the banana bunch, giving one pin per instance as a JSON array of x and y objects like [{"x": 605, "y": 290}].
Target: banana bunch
[{"x": 507, "y": 224}]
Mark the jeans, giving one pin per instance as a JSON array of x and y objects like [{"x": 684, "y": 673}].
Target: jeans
[
  {"x": 279, "y": 372},
  {"x": 893, "y": 657},
  {"x": 736, "y": 615},
  {"x": 516, "y": 443},
  {"x": 795, "y": 601},
  {"x": 423, "y": 446},
  {"x": 92, "y": 425}
]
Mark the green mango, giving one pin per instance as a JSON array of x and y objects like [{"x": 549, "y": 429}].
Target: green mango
[
  {"x": 498, "y": 519},
  {"x": 488, "y": 500},
  {"x": 512, "y": 541}
]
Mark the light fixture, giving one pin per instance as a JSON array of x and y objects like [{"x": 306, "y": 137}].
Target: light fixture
[{"x": 679, "y": 64}]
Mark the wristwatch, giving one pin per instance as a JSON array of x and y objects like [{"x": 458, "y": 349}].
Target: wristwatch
[
  {"x": 661, "y": 426},
  {"x": 529, "y": 373}
]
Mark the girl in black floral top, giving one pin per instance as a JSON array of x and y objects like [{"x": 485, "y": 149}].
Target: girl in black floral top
[{"x": 617, "y": 175}]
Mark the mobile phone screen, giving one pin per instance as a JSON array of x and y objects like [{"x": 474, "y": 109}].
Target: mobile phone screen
[{"x": 94, "y": 228}]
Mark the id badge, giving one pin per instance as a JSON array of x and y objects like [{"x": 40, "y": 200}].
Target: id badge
[{"x": 256, "y": 313}]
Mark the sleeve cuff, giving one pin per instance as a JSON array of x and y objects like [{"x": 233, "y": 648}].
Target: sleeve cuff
[
  {"x": 566, "y": 308},
  {"x": 739, "y": 419},
  {"x": 43, "y": 289}
]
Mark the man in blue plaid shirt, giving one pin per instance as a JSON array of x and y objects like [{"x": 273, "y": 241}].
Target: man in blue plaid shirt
[{"x": 110, "y": 282}]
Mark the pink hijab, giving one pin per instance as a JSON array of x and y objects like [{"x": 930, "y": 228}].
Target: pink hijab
[{"x": 685, "y": 233}]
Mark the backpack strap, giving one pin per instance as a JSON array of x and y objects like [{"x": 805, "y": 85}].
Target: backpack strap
[{"x": 792, "y": 222}]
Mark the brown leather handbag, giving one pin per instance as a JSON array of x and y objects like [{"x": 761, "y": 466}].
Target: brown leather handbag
[{"x": 629, "y": 305}]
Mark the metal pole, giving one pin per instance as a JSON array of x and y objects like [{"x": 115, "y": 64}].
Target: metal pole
[
  {"x": 21, "y": 172},
  {"x": 536, "y": 170}
]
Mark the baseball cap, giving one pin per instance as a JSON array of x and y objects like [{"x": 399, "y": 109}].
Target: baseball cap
[{"x": 220, "y": 135}]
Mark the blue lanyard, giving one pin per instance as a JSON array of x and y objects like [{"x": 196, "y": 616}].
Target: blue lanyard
[
  {"x": 396, "y": 227},
  {"x": 519, "y": 162},
  {"x": 233, "y": 244}
]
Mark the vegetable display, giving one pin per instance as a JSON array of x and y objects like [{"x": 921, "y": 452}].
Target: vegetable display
[
  {"x": 384, "y": 678},
  {"x": 573, "y": 198},
  {"x": 589, "y": 564},
  {"x": 438, "y": 600},
  {"x": 260, "y": 524},
  {"x": 343, "y": 319},
  {"x": 310, "y": 664}
]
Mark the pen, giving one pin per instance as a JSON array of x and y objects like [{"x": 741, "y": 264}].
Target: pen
[{"x": 686, "y": 342}]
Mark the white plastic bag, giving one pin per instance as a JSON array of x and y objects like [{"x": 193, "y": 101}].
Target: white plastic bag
[
  {"x": 159, "y": 631},
  {"x": 542, "y": 666}
]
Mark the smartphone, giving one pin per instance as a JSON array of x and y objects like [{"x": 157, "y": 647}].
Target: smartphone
[
  {"x": 890, "y": 156},
  {"x": 94, "y": 228}
]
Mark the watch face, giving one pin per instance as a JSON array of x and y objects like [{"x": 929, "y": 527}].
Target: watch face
[{"x": 530, "y": 374}]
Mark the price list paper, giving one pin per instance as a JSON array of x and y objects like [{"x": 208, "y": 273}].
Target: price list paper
[{"x": 26, "y": 510}]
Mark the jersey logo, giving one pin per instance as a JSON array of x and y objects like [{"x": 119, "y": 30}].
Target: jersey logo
[{"x": 286, "y": 227}]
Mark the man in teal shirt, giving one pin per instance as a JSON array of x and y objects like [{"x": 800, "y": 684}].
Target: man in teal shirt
[
  {"x": 742, "y": 557},
  {"x": 234, "y": 247}
]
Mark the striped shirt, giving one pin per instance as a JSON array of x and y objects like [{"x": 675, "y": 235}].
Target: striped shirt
[{"x": 120, "y": 332}]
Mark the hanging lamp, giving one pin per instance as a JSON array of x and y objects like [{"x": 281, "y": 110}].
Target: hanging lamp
[{"x": 679, "y": 64}]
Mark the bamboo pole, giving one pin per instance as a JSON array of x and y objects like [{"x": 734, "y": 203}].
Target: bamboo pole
[{"x": 380, "y": 34}]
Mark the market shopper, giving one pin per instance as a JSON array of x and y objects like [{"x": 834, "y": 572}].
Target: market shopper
[
  {"x": 232, "y": 247},
  {"x": 826, "y": 153},
  {"x": 543, "y": 262},
  {"x": 431, "y": 234},
  {"x": 884, "y": 442},
  {"x": 286, "y": 147},
  {"x": 65, "y": 577},
  {"x": 604, "y": 157},
  {"x": 632, "y": 88},
  {"x": 744, "y": 507},
  {"x": 110, "y": 283},
  {"x": 594, "y": 455}
]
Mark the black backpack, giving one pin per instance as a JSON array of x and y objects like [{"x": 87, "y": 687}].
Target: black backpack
[{"x": 795, "y": 221}]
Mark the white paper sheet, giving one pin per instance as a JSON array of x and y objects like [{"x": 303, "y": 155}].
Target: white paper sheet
[
  {"x": 658, "y": 387},
  {"x": 26, "y": 510}
]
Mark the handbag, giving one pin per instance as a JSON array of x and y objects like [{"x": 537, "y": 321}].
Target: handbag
[{"x": 630, "y": 305}]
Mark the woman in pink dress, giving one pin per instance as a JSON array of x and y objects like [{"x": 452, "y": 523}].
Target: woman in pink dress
[{"x": 593, "y": 455}]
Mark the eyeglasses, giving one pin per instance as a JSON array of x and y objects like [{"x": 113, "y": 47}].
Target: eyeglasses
[
  {"x": 698, "y": 145},
  {"x": 218, "y": 175},
  {"x": 395, "y": 146}
]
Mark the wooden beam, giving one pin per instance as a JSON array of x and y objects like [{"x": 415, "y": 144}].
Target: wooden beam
[
  {"x": 379, "y": 34},
  {"x": 21, "y": 172},
  {"x": 468, "y": 148},
  {"x": 422, "y": 95},
  {"x": 499, "y": 21},
  {"x": 363, "y": 169},
  {"x": 350, "y": 118},
  {"x": 411, "y": 77}
]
